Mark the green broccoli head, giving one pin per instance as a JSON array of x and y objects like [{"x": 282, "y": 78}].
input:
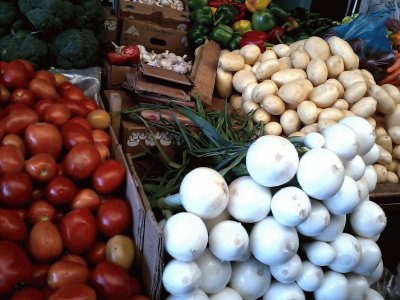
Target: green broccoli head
[
  {"x": 47, "y": 15},
  {"x": 75, "y": 48},
  {"x": 8, "y": 13},
  {"x": 24, "y": 45},
  {"x": 89, "y": 14}
]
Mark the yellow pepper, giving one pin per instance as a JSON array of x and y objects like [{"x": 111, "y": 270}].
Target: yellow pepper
[
  {"x": 213, "y": 10},
  {"x": 242, "y": 25},
  {"x": 253, "y": 5}
]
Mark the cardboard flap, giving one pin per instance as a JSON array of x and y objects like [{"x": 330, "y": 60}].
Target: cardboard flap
[{"x": 165, "y": 75}]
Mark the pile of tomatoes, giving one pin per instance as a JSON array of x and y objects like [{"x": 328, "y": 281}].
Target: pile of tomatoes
[{"x": 65, "y": 229}]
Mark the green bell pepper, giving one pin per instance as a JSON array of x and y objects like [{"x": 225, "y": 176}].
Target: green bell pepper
[
  {"x": 234, "y": 41},
  {"x": 225, "y": 14},
  {"x": 263, "y": 20},
  {"x": 198, "y": 33},
  {"x": 201, "y": 15},
  {"x": 222, "y": 34},
  {"x": 278, "y": 12},
  {"x": 193, "y": 4}
]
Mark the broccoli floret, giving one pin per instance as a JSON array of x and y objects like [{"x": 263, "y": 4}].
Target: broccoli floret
[
  {"x": 8, "y": 13},
  {"x": 89, "y": 14},
  {"x": 47, "y": 15},
  {"x": 24, "y": 45},
  {"x": 75, "y": 48}
]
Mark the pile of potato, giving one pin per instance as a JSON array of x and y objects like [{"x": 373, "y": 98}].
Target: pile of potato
[{"x": 308, "y": 86}]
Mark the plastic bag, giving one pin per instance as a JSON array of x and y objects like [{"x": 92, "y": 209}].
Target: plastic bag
[
  {"x": 388, "y": 285},
  {"x": 367, "y": 36}
]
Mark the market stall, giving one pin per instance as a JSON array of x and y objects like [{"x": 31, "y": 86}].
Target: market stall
[{"x": 197, "y": 149}]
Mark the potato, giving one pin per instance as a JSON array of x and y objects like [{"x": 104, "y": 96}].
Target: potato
[
  {"x": 335, "y": 66},
  {"x": 385, "y": 157},
  {"x": 365, "y": 107},
  {"x": 290, "y": 121},
  {"x": 341, "y": 104},
  {"x": 241, "y": 79},
  {"x": 285, "y": 63},
  {"x": 121, "y": 251},
  {"x": 310, "y": 128},
  {"x": 338, "y": 85},
  {"x": 250, "y": 53},
  {"x": 300, "y": 59},
  {"x": 355, "y": 91},
  {"x": 317, "y": 48},
  {"x": 264, "y": 88},
  {"x": 331, "y": 113},
  {"x": 268, "y": 54},
  {"x": 317, "y": 71},
  {"x": 282, "y": 50},
  {"x": 392, "y": 91},
  {"x": 339, "y": 46},
  {"x": 255, "y": 66},
  {"x": 371, "y": 121},
  {"x": 223, "y": 83},
  {"x": 297, "y": 45},
  {"x": 386, "y": 104},
  {"x": 267, "y": 68},
  {"x": 248, "y": 90},
  {"x": 392, "y": 167},
  {"x": 306, "y": 84},
  {"x": 324, "y": 95},
  {"x": 247, "y": 67},
  {"x": 369, "y": 79},
  {"x": 325, "y": 123},
  {"x": 236, "y": 102},
  {"x": 385, "y": 142},
  {"x": 348, "y": 113},
  {"x": 396, "y": 152},
  {"x": 230, "y": 61},
  {"x": 393, "y": 118},
  {"x": 284, "y": 76},
  {"x": 394, "y": 133},
  {"x": 249, "y": 106},
  {"x": 392, "y": 177},
  {"x": 273, "y": 105},
  {"x": 292, "y": 93},
  {"x": 381, "y": 173},
  {"x": 347, "y": 78},
  {"x": 307, "y": 112},
  {"x": 380, "y": 131},
  {"x": 272, "y": 128},
  {"x": 261, "y": 115}
]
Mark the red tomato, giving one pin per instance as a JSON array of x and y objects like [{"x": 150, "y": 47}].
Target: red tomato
[
  {"x": 28, "y": 293},
  {"x": 103, "y": 150},
  {"x": 45, "y": 242},
  {"x": 78, "y": 230},
  {"x": 45, "y": 75},
  {"x": 29, "y": 67},
  {"x": 41, "y": 210},
  {"x": 64, "y": 86},
  {"x": 13, "y": 107},
  {"x": 73, "y": 93},
  {"x": 3, "y": 66},
  {"x": 39, "y": 275},
  {"x": 81, "y": 161},
  {"x": 90, "y": 104},
  {"x": 74, "y": 258},
  {"x": 4, "y": 95},
  {"x": 81, "y": 121},
  {"x": 41, "y": 106},
  {"x": 101, "y": 136},
  {"x": 110, "y": 281},
  {"x": 57, "y": 114},
  {"x": 15, "y": 189},
  {"x": 23, "y": 96},
  {"x": 113, "y": 217},
  {"x": 42, "y": 167},
  {"x": 97, "y": 253},
  {"x": 73, "y": 134},
  {"x": 21, "y": 212},
  {"x": 16, "y": 140},
  {"x": 139, "y": 297},
  {"x": 77, "y": 291},
  {"x": 11, "y": 159},
  {"x": 43, "y": 138},
  {"x": 60, "y": 190},
  {"x": 136, "y": 286},
  {"x": 12, "y": 226},
  {"x": 77, "y": 108},
  {"x": 63, "y": 273},
  {"x": 41, "y": 88},
  {"x": 86, "y": 198},
  {"x": 15, "y": 267},
  {"x": 15, "y": 75},
  {"x": 108, "y": 176},
  {"x": 17, "y": 121}
]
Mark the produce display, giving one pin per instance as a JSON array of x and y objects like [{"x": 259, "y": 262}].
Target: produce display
[{"x": 65, "y": 226}]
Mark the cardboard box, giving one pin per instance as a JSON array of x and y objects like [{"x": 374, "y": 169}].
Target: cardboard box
[
  {"x": 111, "y": 25},
  {"x": 161, "y": 15},
  {"x": 114, "y": 76},
  {"x": 154, "y": 37}
]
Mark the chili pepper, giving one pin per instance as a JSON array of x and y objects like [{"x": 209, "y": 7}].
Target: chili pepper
[
  {"x": 263, "y": 20},
  {"x": 201, "y": 15},
  {"x": 115, "y": 58},
  {"x": 217, "y": 3},
  {"x": 276, "y": 34},
  {"x": 254, "y": 5},
  {"x": 242, "y": 25},
  {"x": 279, "y": 12},
  {"x": 290, "y": 24},
  {"x": 132, "y": 53},
  {"x": 241, "y": 10},
  {"x": 193, "y": 4},
  {"x": 198, "y": 33},
  {"x": 234, "y": 41},
  {"x": 259, "y": 38},
  {"x": 222, "y": 34},
  {"x": 225, "y": 14}
]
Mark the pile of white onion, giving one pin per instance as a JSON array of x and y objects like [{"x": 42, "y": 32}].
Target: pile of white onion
[{"x": 295, "y": 227}]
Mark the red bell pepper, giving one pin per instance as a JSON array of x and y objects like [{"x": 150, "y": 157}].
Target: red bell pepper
[
  {"x": 115, "y": 58},
  {"x": 124, "y": 54},
  {"x": 276, "y": 34},
  {"x": 240, "y": 7},
  {"x": 258, "y": 38}
]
